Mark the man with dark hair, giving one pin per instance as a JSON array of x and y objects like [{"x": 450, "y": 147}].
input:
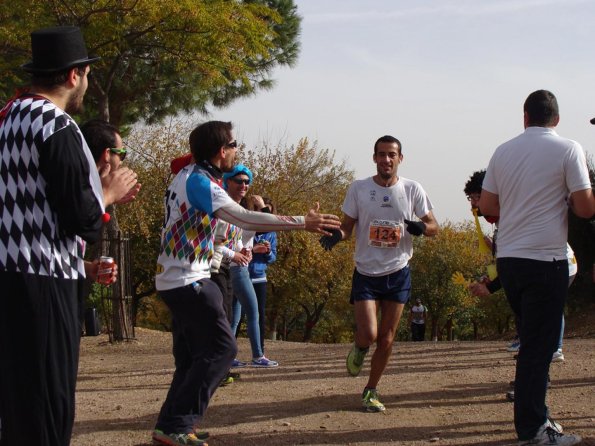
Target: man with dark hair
[
  {"x": 204, "y": 346},
  {"x": 381, "y": 209},
  {"x": 104, "y": 140},
  {"x": 108, "y": 151},
  {"x": 52, "y": 201},
  {"x": 530, "y": 182}
]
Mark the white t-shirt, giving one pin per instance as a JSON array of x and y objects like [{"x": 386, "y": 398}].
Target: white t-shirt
[
  {"x": 533, "y": 175},
  {"x": 417, "y": 314},
  {"x": 382, "y": 245}
]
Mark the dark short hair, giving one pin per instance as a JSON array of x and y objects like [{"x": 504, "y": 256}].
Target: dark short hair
[
  {"x": 475, "y": 182},
  {"x": 100, "y": 135},
  {"x": 53, "y": 80},
  {"x": 541, "y": 107},
  {"x": 389, "y": 139},
  {"x": 270, "y": 204},
  {"x": 206, "y": 139}
]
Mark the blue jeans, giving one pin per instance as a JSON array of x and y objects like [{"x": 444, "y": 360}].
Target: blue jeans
[
  {"x": 536, "y": 291},
  {"x": 260, "y": 288},
  {"x": 246, "y": 300}
]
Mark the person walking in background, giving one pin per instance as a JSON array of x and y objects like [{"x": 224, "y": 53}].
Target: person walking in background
[
  {"x": 203, "y": 344},
  {"x": 52, "y": 202},
  {"x": 530, "y": 183},
  {"x": 417, "y": 321},
  {"x": 381, "y": 209},
  {"x": 264, "y": 252}
]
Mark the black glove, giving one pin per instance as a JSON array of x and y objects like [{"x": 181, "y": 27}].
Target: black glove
[
  {"x": 328, "y": 241},
  {"x": 415, "y": 227}
]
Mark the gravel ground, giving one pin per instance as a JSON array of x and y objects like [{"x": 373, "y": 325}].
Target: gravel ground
[{"x": 446, "y": 393}]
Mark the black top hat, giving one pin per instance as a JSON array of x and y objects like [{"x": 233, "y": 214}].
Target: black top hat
[{"x": 57, "y": 49}]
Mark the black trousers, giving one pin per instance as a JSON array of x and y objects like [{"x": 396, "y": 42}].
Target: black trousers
[
  {"x": 223, "y": 281},
  {"x": 536, "y": 291},
  {"x": 203, "y": 349},
  {"x": 39, "y": 352},
  {"x": 418, "y": 332}
]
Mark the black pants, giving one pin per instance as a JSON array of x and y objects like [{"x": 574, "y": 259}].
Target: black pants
[
  {"x": 418, "y": 332},
  {"x": 39, "y": 352},
  {"x": 536, "y": 291},
  {"x": 203, "y": 349},
  {"x": 223, "y": 281}
]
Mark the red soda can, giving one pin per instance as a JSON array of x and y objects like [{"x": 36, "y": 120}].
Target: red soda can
[{"x": 106, "y": 267}]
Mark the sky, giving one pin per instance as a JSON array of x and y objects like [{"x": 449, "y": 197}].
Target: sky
[{"x": 448, "y": 78}]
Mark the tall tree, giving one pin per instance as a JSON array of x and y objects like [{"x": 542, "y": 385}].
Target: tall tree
[
  {"x": 151, "y": 150},
  {"x": 432, "y": 266},
  {"x": 304, "y": 278},
  {"x": 160, "y": 57}
]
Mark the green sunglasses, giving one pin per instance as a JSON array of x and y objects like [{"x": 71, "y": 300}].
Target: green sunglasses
[{"x": 121, "y": 152}]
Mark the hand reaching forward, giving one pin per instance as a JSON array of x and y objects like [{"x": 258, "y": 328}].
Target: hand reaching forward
[
  {"x": 415, "y": 227},
  {"x": 321, "y": 223},
  {"x": 328, "y": 241}
]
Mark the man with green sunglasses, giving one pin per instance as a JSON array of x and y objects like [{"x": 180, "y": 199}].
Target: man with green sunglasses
[{"x": 108, "y": 151}]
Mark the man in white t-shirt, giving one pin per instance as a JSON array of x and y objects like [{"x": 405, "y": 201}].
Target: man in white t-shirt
[
  {"x": 381, "y": 209},
  {"x": 530, "y": 182}
]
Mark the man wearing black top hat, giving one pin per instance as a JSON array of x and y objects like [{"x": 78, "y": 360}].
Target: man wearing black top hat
[{"x": 51, "y": 203}]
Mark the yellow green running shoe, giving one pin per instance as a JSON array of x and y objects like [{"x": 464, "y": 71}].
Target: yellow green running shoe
[
  {"x": 371, "y": 402},
  {"x": 160, "y": 438},
  {"x": 355, "y": 360}
]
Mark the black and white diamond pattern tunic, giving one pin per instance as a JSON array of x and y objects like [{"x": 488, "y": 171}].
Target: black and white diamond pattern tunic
[{"x": 48, "y": 205}]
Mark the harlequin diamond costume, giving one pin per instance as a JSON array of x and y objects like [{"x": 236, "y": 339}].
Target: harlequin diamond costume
[{"x": 51, "y": 202}]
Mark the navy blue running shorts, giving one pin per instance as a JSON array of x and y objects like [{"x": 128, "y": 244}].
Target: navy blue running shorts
[{"x": 394, "y": 287}]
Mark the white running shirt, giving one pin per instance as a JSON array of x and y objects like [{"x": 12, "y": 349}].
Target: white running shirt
[{"x": 382, "y": 245}]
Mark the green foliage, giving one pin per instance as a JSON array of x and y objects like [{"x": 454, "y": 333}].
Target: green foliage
[
  {"x": 151, "y": 150},
  {"x": 160, "y": 57},
  {"x": 451, "y": 307},
  {"x": 309, "y": 288}
]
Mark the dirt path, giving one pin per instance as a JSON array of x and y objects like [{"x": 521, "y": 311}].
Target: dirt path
[{"x": 435, "y": 393}]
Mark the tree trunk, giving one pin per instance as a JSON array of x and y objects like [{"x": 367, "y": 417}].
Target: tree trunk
[
  {"x": 121, "y": 324},
  {"x": 434, "y": 330},
  {"x": 449, "y": 330}
]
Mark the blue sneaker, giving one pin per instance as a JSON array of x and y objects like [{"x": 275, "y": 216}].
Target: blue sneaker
[
  {"x": 264, "y": 362},
  {"x": 236, "y": 364},
  {"x": 514, "y": 347}
]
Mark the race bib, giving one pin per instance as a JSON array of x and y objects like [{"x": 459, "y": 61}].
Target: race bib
[{"x": 385, "y": 233}]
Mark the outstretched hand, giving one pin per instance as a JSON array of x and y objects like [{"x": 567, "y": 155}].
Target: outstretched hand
[
  {"x": 328, "y": 241},
  {"x": 415, "y": 227},
  {"x": 321, "y": 223}
]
